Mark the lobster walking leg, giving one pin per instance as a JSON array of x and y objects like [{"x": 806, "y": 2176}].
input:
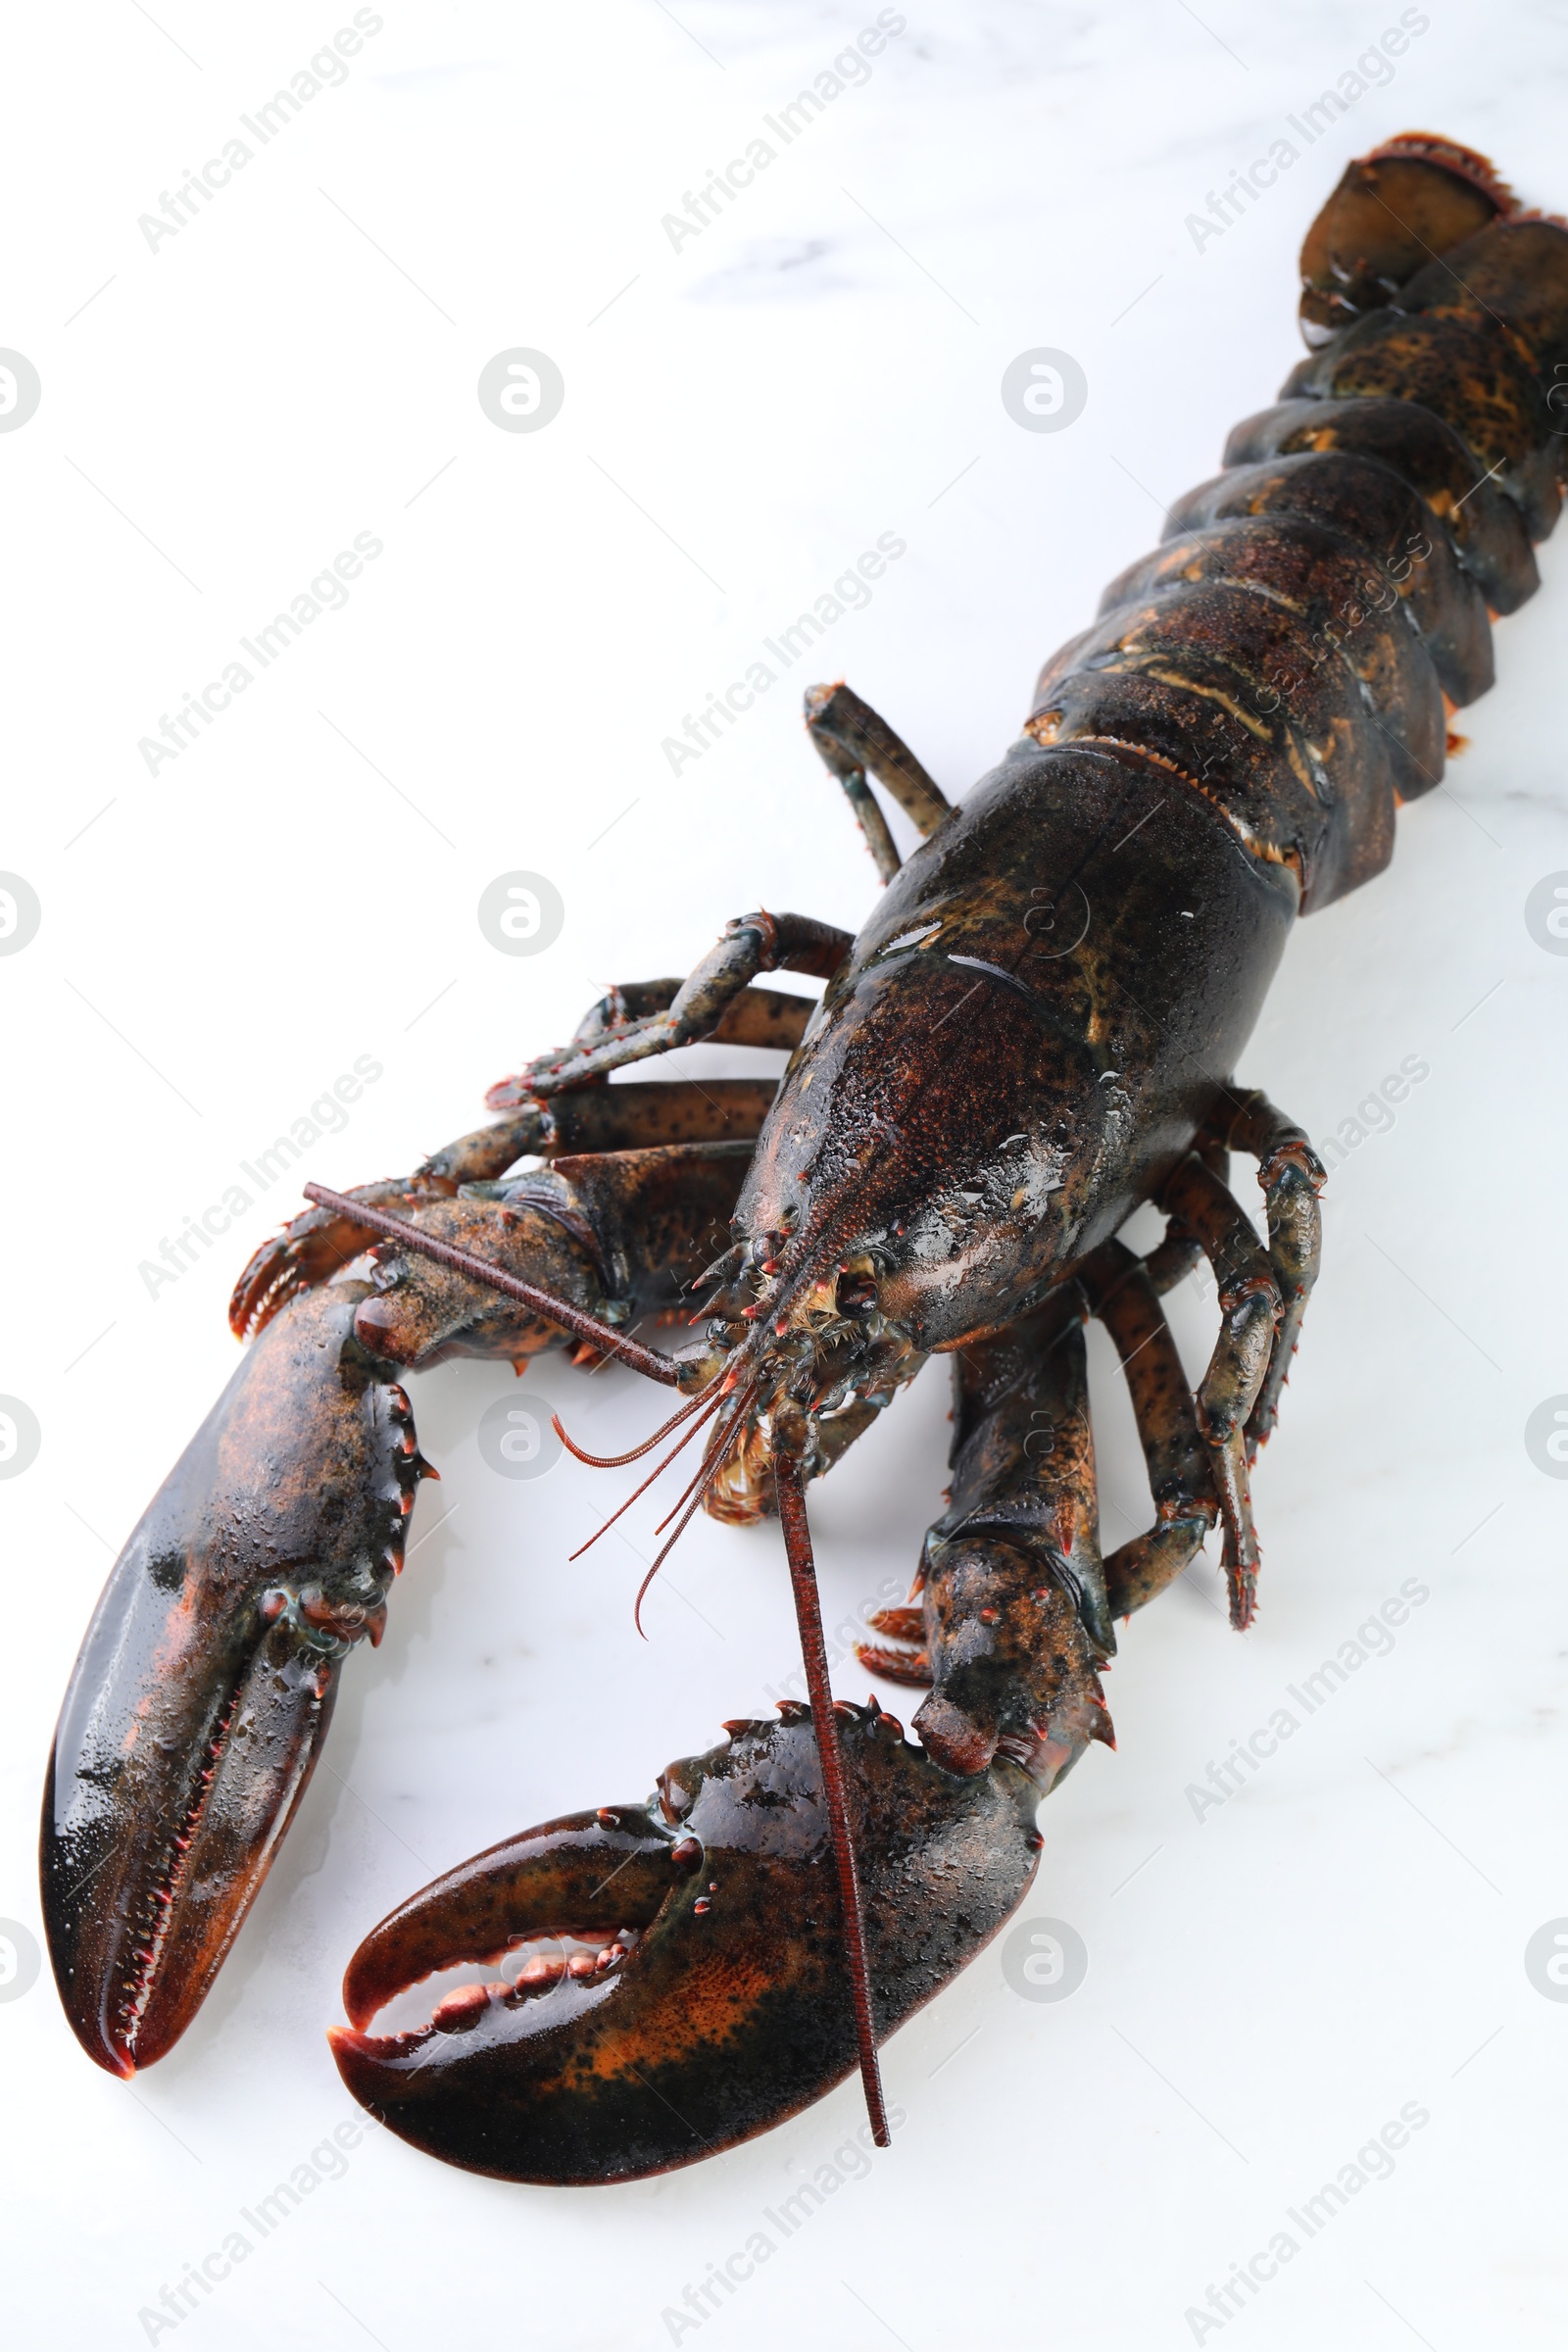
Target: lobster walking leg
[
  {"x": 1249, "y": 1308},
  {"x": 319, "y": 1243},
  {"x": 1292, "y": 1175},
  {"x": 863, "y": 802},
  {"x": 1180, "y": 1478},
  {"x": 853, "y": 742},
  {"x": 755, "y": 1016},
  {"x": 751, "y": 944},
  {"x": 604, "y": 1119}
]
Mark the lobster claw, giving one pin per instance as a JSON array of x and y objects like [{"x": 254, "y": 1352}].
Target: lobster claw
[
  {"x": 707, "y": 2000},
  {"x": 208, "y": 1677}
]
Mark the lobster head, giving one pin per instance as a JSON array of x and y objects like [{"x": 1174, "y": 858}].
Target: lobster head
[
  {"x": 956, "y": 1127},
  {"x": 945, "y": 1142}
]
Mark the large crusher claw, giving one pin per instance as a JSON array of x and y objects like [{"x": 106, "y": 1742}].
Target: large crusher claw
[{"x": 671, "y": 1977}]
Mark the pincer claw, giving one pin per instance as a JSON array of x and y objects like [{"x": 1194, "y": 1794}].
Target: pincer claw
[
  {"x": 707, "y": 2000},
  {"x": 207, "y": 1680}
]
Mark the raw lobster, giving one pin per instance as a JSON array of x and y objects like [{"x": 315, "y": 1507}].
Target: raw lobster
[{"x": 1033, "y": 1036}]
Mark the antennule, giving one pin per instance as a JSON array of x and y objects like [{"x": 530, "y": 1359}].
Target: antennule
[
  {"x": 620, "y": 1462},
  {"x": 657, "y": 1472},
  {"x": 712, "y": 1465}
]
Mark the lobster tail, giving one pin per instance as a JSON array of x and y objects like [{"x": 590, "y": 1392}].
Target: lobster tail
[
  {"x": 1414, "y": 196},
  {"x": 1289, "y": 653}
]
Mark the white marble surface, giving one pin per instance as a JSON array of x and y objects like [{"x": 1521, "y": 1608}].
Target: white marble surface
[{"x": 1268, "y": 1983}]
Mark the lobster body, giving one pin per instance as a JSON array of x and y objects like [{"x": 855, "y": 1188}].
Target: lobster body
[
  {"x": 1033, "y": 1036},
  {"x": 1025, "y": 1040}
]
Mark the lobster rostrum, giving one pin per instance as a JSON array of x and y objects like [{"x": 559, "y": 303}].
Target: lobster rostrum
[{"x": 1034, "y": 1035}]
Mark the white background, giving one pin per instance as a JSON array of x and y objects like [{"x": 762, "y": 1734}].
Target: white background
[{"x": 297, "y": 365}]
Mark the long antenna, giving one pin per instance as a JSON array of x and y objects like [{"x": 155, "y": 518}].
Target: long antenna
[
  {"x": 808, "y": 1617},
  {"x": 602, "y": 1336}
]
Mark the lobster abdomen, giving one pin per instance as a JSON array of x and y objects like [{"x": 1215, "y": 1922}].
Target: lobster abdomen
[{"x": 1287, "y": 651}]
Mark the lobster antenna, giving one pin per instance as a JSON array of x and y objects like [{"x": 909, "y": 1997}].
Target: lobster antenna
[
  {"x": 657, "y": 1472},
  {"x": 808, "y": 1617},
  {"x": 602, "y": 1336}
]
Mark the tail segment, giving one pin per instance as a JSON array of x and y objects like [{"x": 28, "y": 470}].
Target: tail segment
[{"x": 1292, "y": 650}]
